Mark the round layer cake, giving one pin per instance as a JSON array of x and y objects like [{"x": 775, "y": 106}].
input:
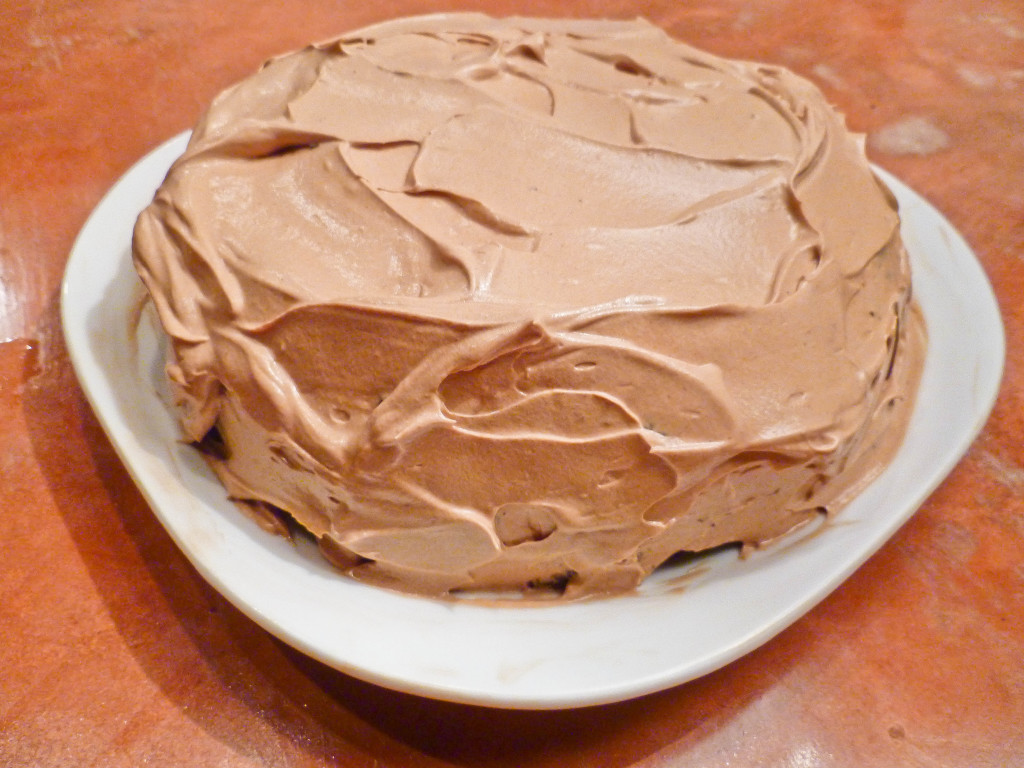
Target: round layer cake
[{"x": 531, "y": 305}]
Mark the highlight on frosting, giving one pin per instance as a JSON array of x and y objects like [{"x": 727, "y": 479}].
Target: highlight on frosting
[{"x": 530, "y": 305}]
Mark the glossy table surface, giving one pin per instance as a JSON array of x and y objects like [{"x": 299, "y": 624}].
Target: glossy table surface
[{"x": 113, "y": 650}]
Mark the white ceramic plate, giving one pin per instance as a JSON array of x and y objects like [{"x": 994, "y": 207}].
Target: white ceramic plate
[{"x": 682, "y": 624}]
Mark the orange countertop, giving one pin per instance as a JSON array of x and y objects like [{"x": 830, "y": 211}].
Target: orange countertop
[{"x": 115, "y": 652}]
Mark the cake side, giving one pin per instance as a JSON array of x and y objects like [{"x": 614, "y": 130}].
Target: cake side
[{"x": 525, "y": 303}]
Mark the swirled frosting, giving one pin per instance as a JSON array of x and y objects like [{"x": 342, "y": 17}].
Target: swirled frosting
[{"x": 523, "y": 304}]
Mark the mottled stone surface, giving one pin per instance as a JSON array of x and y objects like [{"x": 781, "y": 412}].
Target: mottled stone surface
[{"x": 114, "y": 652}]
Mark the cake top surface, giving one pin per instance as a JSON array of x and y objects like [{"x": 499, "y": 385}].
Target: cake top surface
[{"x": 520, "y": 166}]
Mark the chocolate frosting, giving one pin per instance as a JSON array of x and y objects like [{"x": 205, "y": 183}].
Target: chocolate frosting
[{"x": 523, "y": 304}]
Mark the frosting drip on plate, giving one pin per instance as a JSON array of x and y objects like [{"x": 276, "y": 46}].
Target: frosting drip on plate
[{"x": 531, "y": 304}]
